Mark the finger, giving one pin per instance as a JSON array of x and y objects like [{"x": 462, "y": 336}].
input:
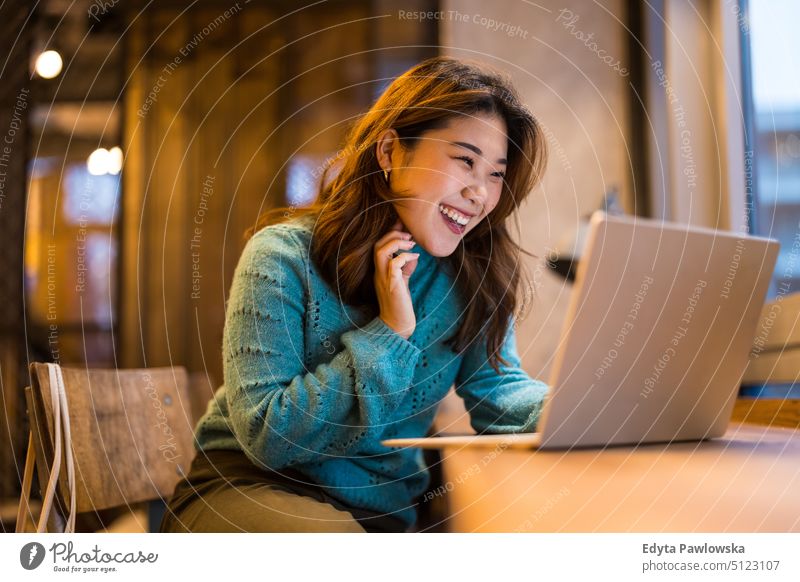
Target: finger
[
  {"x": 397, "y": 263},
  {"x": 392, "y": 234},
  {"x": 395, "y": 277},
  {"x": 385, "y": 253},
  {"x": 395, "y": 246},
  {"x": 409, "y": 268}
]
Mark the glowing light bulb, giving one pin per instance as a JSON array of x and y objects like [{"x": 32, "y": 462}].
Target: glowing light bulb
[
  {"x": 99, "y": 162},
  {"x": 48, "y": 64},
  {"x": 114, "y": 160}
]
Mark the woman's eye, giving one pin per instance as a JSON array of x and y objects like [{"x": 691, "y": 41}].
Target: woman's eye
[
  {"x": 468, "y": 160},
  {"x": 499, "y": 175}
]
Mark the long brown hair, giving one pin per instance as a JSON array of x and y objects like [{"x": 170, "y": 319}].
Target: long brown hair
[{"x": 353, "y": 210}]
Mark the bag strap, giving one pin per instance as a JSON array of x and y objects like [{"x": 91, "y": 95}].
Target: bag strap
[
  {"x": 60, "y": 410},
  {"x": 58, "y": 395}
]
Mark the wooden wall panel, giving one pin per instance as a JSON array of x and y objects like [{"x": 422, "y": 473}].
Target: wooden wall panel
[{"x": 246, "y": 93}]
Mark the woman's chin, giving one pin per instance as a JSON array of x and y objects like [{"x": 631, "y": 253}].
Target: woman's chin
[
  {"x": 441, "y": 248},
  {"x": 438, "y": 241}
]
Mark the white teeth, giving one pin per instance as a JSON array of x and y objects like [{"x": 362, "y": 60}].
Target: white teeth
[{"x": 459, "y": 218}]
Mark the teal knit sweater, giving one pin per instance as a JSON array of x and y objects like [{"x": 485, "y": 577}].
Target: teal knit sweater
[{"x": 313, "y": 384}]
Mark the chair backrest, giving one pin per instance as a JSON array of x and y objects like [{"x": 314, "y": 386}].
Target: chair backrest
[
  {"x": 774, "y": 359},
  {"x": 132, "y": 432}
]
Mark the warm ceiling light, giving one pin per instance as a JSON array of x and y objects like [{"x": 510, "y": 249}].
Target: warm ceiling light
[
  {"x": 102, "y": 161},
  {"x": 99, "y": 162},
  {"x": 48, "y": 65},
  {"x": 114, "y": 160}
]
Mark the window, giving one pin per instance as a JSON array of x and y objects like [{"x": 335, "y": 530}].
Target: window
[
  {"x": 771, "y": 96},
  {"x": 771, "y": 60}
]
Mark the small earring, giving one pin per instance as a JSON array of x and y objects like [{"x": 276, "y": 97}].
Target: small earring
[{"x": 386, "y": 175}]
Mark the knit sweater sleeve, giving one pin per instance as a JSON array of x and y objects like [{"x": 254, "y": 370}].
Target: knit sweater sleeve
[
  {"x": 280, "y": 412},
  {"x": 507, "y": 403}
]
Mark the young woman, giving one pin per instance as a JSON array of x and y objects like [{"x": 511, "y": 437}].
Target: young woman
[{"x": 349, "y": 320}]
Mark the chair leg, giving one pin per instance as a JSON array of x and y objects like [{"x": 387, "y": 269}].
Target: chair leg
[{"x": 24, "y": 510}]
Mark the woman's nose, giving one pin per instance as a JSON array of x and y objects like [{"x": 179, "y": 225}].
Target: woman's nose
[{"x": 477, "y": 194}]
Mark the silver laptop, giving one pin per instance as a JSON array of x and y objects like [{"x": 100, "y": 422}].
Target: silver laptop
[{"x": 656, "y": 339}]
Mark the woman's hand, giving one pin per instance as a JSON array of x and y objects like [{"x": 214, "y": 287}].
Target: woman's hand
[{"x": 391, "y": 280}]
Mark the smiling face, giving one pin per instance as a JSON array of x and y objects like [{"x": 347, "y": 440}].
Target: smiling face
[{"x": 449, "y": 181}]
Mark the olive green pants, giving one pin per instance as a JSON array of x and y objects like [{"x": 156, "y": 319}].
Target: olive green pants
[{"x": 225, "y": 492}]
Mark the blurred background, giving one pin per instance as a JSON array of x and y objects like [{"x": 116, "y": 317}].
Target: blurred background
[{"x": 141, "y": 139}]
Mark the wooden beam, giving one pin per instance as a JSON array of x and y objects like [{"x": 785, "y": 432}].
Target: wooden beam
[{"x": 768, "y": 411}]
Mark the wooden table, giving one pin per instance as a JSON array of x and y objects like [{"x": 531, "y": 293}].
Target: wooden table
[{"x": 747, "y": 481}]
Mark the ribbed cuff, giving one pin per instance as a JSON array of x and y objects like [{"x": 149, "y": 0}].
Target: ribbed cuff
[
  {"x": 381, "y": 334},
  {"x": 532, "y": 422}
]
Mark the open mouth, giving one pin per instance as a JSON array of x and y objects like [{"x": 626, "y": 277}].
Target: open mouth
[{"x": 454, "y": 221}]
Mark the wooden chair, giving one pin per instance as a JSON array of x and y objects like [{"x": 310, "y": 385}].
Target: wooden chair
[
  {"x": 774, "y": 359},
  {"x": 131, "y": 435}
]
